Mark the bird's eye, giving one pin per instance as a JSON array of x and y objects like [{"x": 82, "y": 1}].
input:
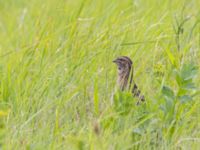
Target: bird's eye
[{"x": 119, "y": 68}]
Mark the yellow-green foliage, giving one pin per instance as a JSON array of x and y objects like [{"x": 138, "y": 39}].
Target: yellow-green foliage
[{"x": 57, "y": 77}]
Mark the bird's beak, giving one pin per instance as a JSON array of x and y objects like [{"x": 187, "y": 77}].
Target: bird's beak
[{"x": 115, "y": 61}]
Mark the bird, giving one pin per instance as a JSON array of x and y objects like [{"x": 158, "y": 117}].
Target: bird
[{"x": 125, "y": 78}]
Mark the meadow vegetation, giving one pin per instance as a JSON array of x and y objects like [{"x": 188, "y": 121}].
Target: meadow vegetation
[{"x": 57, "y": 77}]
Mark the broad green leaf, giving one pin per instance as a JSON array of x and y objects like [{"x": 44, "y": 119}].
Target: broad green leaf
[
  {"x": 188, "y": 71},
  {"x": 168, "y": 92},
  {"x": 169, "y": 104},
  {"x": 123, "y": 102},
  {"x": 185, "y": 98},
  {"x": 189, "y": 86},
  {"x": 178, "y": 77},
  {"x": 163, "y": 108},
  {"x": 182, "y": 91}
]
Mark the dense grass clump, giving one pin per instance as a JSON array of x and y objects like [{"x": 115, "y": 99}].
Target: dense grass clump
[{"x": 57, "y": 78}]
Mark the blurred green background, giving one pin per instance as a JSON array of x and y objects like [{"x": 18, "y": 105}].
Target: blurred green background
[{"x": 57, "y": 77}]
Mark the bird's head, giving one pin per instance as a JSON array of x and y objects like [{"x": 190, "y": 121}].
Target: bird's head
[{"x": 124, "y": 64}]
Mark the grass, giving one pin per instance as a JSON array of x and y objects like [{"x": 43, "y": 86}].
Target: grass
[{"x": 57, "y": 77}]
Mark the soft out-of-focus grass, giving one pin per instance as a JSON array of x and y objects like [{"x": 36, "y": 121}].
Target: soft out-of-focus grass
[{"x": 57, "y": 75}]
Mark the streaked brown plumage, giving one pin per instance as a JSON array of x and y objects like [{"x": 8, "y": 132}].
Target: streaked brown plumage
[{"x": 125, "y": 77}]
